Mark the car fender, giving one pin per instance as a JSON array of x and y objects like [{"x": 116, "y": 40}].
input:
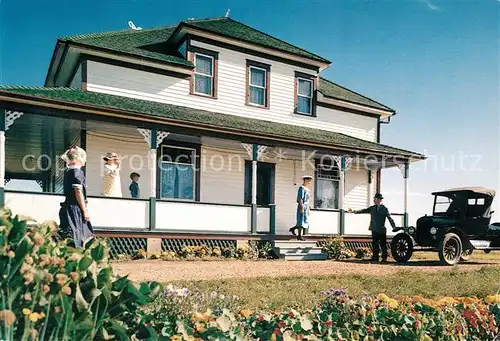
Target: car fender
[
  {"x": 414, "y": 242},
  {"x": 452, "y": 229}
]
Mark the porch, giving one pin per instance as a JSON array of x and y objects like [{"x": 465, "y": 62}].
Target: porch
[{"x": 226, "y": 185}]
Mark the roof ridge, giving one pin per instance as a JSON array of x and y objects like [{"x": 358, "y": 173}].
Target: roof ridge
[
  {"x": 204, "y": 19},
  {"x": 357, "y": 93},
  {"x": 115, "y": 32}
]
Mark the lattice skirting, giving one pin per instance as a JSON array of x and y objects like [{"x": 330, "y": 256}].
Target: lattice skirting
[
  {"x": 353, "y": 245},
  {"x": 125, "y": 246},
  {"x": 177, "y": 244}
]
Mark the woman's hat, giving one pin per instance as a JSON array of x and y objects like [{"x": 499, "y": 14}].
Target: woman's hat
[
  {"x": 111, "y": 156},
  {"x": 74, "y": 154},
  {"x": 307, "y": 177},
  {"x": 134, "y": 174}
]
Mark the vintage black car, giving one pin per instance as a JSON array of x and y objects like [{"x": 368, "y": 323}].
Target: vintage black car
[{"x": 459, "y": 224}]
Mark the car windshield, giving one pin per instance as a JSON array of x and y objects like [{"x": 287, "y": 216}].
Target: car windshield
[{"x": 442, "y": 205}]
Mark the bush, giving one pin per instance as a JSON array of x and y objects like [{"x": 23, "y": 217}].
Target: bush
[
  {"x": 51, "y": 291},
  {"x": 335, "y": 248},
  {"x": 363, "y": 252}
]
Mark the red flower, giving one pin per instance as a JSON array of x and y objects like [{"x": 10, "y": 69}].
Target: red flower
[
  {"x": 281, "y": 324},
  {"x": 277, "y": 331},
  {"x": 370, "y": 330},
  {"x": 291, "y": 315},
  {"x": 418, "y": 324},
  {"x": 329, "y": 323}
]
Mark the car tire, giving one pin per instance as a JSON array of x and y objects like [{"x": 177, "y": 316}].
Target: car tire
[
  {"x": 466, "y": 254},
  {"x": 401, "y": 247},
  {"x": 450, "y": 249}
]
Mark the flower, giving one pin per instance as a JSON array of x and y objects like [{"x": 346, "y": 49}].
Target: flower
[
  {"x": 27, "y": 297},
  {"x": 11, "y": 254},
  {"x": 34, "y": 317},
  {"x": 61, "y": 279},
  {"x": 246, "y": 313},
  {"x": 26, "y": 311},
  {"x": 66, "y": 290},
  {"x": 74, "y": 276},
  {"x": 8, "y": 317},
  {"x": 200, "y": 327},
  {"x": 176, "y": 338},
  {"x": 493, "y": 299}
]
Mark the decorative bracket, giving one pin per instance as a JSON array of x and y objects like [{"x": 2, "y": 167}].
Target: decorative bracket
[
  {"x": 338, "y": 160},
  {"x": 403, "y": 167},
  {"x": 160, "y": 136},
  {"x": 348, "y": 162},
  {"x": 10, "y": 117},
  {"x": 261, "y": 150}
]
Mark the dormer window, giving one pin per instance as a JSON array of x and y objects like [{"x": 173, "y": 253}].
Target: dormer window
[
  {"x": 305, "y": 86},
  {"x": 203, "y": 75},
  {"x": 204, "y": 78},
  {"x": 258, "y": 76}
]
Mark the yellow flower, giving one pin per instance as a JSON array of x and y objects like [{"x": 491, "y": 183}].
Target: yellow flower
[
  {"x": 8, "y": 317},
  {"x": 392, "y": 303},
  {"x": 176, "y": 338},
  {"x": 246, "y": 313},
  {"x": 200, "y": 327},
  {"x": 493, "y": 299},
  {"x": 27, "y": 296},
  {"x": 34, "y": 317},
  {"x": 26, "y": 311}
]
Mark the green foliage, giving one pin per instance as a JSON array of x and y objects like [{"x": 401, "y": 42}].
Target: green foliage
[
  {"x": 335, "y": 248},
  {"x": 51, "y": 291}
]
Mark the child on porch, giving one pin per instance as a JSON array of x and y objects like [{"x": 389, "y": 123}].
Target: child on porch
[{"x": 134, "y": 186}]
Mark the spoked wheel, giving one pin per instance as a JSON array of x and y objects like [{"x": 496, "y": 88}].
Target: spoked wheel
[
  {"x": 466, "y": 254},
  {"x": 401, "y": 247},
  {"x": 450, "y": 249}
]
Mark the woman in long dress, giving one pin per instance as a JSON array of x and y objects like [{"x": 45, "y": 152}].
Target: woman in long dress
[
  {"x": 303, "y": 197},
  {"x": 73, "y": 215},
  {"x": 111, "y": 186}
]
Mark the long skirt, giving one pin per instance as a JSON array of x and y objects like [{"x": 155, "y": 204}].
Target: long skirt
[
  {"x": 73, "y": 225},
  {"x": 303, "y": 217}
]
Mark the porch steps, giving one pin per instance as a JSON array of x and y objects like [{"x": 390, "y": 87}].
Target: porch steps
[{"x": 298, "y": 250}]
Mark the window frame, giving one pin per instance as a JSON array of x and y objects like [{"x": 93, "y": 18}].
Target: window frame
[
  {"x": 196, "y": 155},
  {"x": 193, "y": 51},
  {"x": 314, "y": 86},
  {"x": 330, "y": 166},
  {"x": 267, "y": 93}
]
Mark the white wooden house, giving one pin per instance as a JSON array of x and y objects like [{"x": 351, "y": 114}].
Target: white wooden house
[{"x": 220, "y": 120}]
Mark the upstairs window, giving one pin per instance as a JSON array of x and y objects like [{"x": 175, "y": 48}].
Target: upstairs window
[
  {"x": 258, "y": 75},
  {"x": 204, "y": 79},
  {"x": 204, "y": 75},
  {"x": 305, "y": 86}
]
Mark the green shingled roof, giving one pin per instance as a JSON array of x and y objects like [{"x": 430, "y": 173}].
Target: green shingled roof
[
  {"x": 234, "y": 29},
  {"x": 135, "y": 42},
  {"x": 330, "y": 89},
  {"x": 196, "y": 116}
]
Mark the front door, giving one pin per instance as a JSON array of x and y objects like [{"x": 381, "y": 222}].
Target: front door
[
  {"x": 476, "y": 219},
  {"x": 265, "y": 183}
]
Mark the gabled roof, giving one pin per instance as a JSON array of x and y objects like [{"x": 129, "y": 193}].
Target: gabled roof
[
  {"x": 234, "y": 29},
  {"x": 335, "y": 91},
  {"x": 135, "y": 42},
  {"x": 202, "y": 118}
]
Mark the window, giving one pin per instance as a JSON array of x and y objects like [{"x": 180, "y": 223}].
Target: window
[
  {"x": 183, "y": 49},
  {"x": 304, "y": 94},
  {"x": 327, "y": 186},
  {"x": 305, "y": 86},
  {"x": 203, "y": 75},
  {"x": 178, "y": 173},
  {"x": 203, "y": 82},
  {"x": 258, "y": 84}
]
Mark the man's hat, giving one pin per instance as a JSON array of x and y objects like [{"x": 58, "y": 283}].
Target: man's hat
[
  {"x": 378, "y": 196},
  {"x": 133, "y": 174},
  {"x": 111, "y": 156},
  {"x": 307, "y": 177}
]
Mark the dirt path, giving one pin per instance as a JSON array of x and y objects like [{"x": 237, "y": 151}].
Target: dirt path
[{"x": 164, "y": 271}]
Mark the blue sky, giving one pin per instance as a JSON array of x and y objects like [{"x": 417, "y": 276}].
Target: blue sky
[{"x": 435, "y": 62}]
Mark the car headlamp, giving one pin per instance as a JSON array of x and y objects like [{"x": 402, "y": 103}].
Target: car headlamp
[{"x": 433, "y": 230}]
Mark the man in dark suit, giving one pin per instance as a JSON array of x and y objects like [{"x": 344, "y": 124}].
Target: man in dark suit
[{"x": 378, "y": 213}]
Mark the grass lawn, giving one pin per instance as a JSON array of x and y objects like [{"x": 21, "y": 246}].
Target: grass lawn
[{"x": 270, "y": 293}]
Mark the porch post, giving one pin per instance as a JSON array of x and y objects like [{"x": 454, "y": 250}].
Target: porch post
[
  {"x": 152, "y": 179},
  {"x": 255, "y": 156},
  {"x": 341, "y": 194},
  {"x": 369, "y": 189},
  {"x": 2, "y": 158},
  {"x": 405, "y": 175}
]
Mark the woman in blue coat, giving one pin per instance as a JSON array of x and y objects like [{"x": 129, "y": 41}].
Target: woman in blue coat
[
  {"x": 74, "y": 220},
  {"x": 303, "y": 199}
]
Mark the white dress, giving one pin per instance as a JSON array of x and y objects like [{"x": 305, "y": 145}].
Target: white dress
[{"x": 111, "y": 186}]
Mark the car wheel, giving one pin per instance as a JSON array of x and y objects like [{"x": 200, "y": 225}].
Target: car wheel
[
  {"x": 401, "y": 247},
  {"x": 450, "y": 249},
  {"x": 487, "y": 251},
  {"x": 466, "y": 254}
]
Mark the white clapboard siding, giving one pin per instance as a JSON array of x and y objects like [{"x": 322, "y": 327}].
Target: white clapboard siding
[
  {"x": 134, "y": 152},
  {"x": 356, "y": 189},
  {"x": 222, "y": 176},
  {"x": 117, "y": 80}
]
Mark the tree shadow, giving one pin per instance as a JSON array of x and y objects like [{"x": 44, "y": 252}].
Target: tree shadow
[{"x": 414, "y": 263}]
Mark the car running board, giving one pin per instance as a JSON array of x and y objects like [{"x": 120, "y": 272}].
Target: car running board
[{"x": 480, "y": 244}]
